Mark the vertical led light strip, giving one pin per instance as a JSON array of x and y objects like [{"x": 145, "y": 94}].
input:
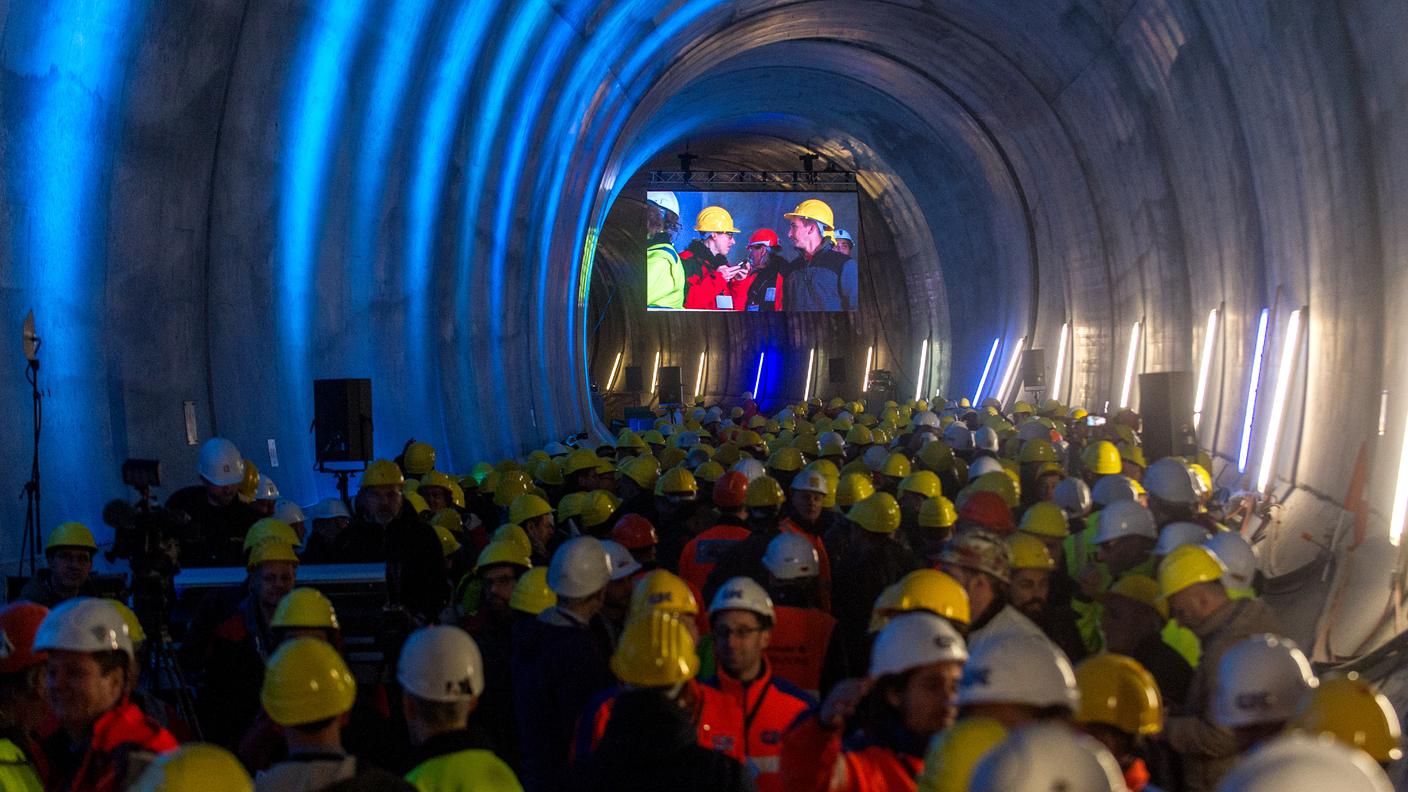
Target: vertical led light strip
[
  {"x": 1011, "y": 372},
  {"x": 655, "y": 371},
  {"x": 1129, "y": 360},
  {"x": 1204, "y": 367},
  {"x": 699, "y": 377},
  {"x": 811, "y": 360},
  {"x": 1253, "y": 384},
  {"x": 615, "y": 369},
  {"x": 1400, "y": 492},
  {"x": 758, "y": 378},
  {"x": 865, "y": 380},
  {"x": 987, "y": 369},
  {"x": 1060, "y": 361},
  {"x": 923, "y": 372},
  {"x": 1290, "y": 344}
]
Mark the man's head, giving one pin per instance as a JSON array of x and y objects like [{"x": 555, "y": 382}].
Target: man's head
[
  {"x": 917, "y": 661},
  {"x": 221, "y": 470},
  {"x": 808, "y": 495},
  {"x": 273, "y": 571},
  {"x": 981, "y": 561},
  {"x": 442, "y": 674},
  {"x": 741, "y": 617},
  {"x": 90, "y": 653},
  {"x": 1190, "y": 581},
  {"x": 69, "y": 552},
  {"x": 578, "y": 575},
  {"x": 1131, "y": 613},
  {"x": 715, "y": 227},
  {"x": 844, "y": 244},
  {"x": 380, "y": 495},
  {"x": 805, "y": 234},
  {"x": 1126, "y": 536},
  {"x": 1032, "y": 565}
]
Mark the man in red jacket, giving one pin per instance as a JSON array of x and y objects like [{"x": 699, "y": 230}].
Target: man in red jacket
[
  {"x": 104, "y": 741},
  {"x": 706, "y": 267}
]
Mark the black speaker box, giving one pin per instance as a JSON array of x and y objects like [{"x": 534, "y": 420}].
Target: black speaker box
[
  {"x": 669, "y": 389},
  {"x": 342, "y": 420},
  {"x": 1166, "y": 405},
  {"x": 1034, "y": 369},
  {"x": 634, "y": 381}
]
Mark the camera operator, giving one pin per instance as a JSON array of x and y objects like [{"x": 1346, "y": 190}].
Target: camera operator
[
  {"x": 68, "y": 552},
  {"x": 218, "y": 518}
]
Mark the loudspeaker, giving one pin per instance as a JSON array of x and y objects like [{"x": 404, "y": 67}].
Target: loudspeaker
[
  {"x": 1034, "y": 369},
  {"x": 342, "y": 420},
  {"x": 670, "y": 391},
  {"x": 634, "y": 381},
  {"x": 1166, "y": 405},
  {"x": 836, "y": 371}
]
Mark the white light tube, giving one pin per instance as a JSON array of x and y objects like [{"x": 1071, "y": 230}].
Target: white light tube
[
  {"x": 1132, "y": 356},
  {"x": 1204, "y": 367},
  {"x": 1060, "y": 362},
  {"x": 1253, "y": 385},
  {"x": 1290, "y": 343},
  {"x": 987, "y": 369}
]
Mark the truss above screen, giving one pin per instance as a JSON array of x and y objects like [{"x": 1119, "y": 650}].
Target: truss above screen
[{"x": 816, "y": 181}]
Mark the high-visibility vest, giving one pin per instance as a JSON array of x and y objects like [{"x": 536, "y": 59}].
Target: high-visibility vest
[{"x": 797, "y": 648}]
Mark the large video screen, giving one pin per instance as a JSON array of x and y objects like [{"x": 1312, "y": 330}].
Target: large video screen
[{"x": 751, "y": 251}]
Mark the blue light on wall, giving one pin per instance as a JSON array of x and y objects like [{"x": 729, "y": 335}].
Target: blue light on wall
[
  {"x": 987, "y": 369},
  {"x": 758, "y": 378}
]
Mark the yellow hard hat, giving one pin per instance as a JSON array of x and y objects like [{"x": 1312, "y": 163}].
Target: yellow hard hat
[
  {"x": 513, "y": 533},
  {"x": 786, "y": 459},
  {"x": 922, "y": 482},
  {"x": 1117, "y": 691},
  {"x": 997, "y": 482},
  {"x": 1142, "y": 589},
  {"x": 671, "y": 456},
  {"x": 436, "y": 478},
  {"x": 1079, "y": 413},
  {"x": 818, "y": 210},
  {"x": 629, "y": 439},
  {"x": 1353, "y": 712},
  {"x": 490, "y": 482},
  {"x": 457, "y": 493},
  {"x": 382, "y": 473},
  {"x": 548, "y": 472},
  {"x": 305, "y": 607},
  {"x": 936, "y": 456},
  {"x": 1045, "y": 518},
  {"x": 1023, "y": 408},
  {"x": 859, "y": 435},
  {"x": 449, "y": 545},
  {"x": 807, "y": 444},
  {"x": 713, "y": 219},
  {"x": 250, "y": 482},
  {"x": 503, "y": 551},
  {"x": 531, "y": 594},
  {"x": 763, "y": 492},
  {"x": 271, "y": 550},
  {"x": 134, "y": 625},
  {"x": 527, "y": 506},
  {"x": 644, "y": 470},
  {"x": 194, "y": 767},
  {"x": 1130, "y": 452},
  {"x": 832, "y": 447},
  {"x": 1101, "y": 458},
  {"x": 269, "y": 528},
  {"x": 709, "y": 471},
  {"x": 922, "y": 590},
  {"x": 896, "y": 466},
  {"x": 1038, "y": 449},
  {"x": 878, "y": 513},
  {"x": 677, "y": 481},
  {"x": 512, "y": 483},
  {"x": 853, "y": 488},
  {"x": 1029, "y": 552},
  {"x": 571, "y": 505},
  {"x": 418, "y": 504},
  {"x": 420, "y": 459},
  {"x": 1186, "y": 566},
  {"x": 954, "y": 754},
  {"x": 449, "y": 519},
  {"x": 881, "y": 436},
  {"x": 663, "y": 591},
  {"x": 579, "y": 460},
  {"x": 72, "y": 534},
  {"x": 653, "y": 437},
  {"x": 826, "y": 468},
  {"x": 306, "y": 681},
  {"x": 598, "y": 507},
  {"x": 656, "y": 650},
  {"x": 937, "y": 512}
]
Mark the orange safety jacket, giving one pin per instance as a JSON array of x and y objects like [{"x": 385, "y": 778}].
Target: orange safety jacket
[
  {"x": 718, "y": 722},
  {"x": 823, "y": 559},
  {"x": 770, "y": 705},
  {"x": 813, "y": 760},
  {"x": 797, "y": 649},
  {"x": 704, "y": 552}
]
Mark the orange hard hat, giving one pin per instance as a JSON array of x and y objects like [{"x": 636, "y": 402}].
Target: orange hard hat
[
  {"x": 634, "y": 532},
  {"x": 764, "y": 236},
  {"x": 988, "y": 510},
  {"x": 731, "y": 490}
]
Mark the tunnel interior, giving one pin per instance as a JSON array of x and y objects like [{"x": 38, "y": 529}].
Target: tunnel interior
[{"x": 210, "y": 204}]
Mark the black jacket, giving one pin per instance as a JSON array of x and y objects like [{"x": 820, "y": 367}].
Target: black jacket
[
  {"x": 826, "y": 283},
  {"x": 215, "y": 534}
]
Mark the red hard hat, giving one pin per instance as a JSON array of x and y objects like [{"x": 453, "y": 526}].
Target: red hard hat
[
  {"x": 18, "y": 623},
  {"x": 988, "y": 510},
  {"x": 730, "y": 490},
  {"x": 634, "y": 532},
  {"x": 764, "y": 235}
]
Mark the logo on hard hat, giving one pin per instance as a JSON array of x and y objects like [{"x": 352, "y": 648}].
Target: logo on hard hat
[{"x": 729, "y": 594}]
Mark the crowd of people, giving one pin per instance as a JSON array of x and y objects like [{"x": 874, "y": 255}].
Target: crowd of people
[{"x": 836, "y": 596}]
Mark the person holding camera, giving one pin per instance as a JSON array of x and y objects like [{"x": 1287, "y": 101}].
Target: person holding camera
[{"x": 68, "y": 552}]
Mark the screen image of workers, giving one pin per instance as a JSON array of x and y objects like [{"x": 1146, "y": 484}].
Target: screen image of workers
[{"x": 751, "y": 251}]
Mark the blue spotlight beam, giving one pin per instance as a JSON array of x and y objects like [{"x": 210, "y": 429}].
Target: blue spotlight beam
[
  {"x": 1253, "y": 386},
  {"x": 987, "y": 369}
]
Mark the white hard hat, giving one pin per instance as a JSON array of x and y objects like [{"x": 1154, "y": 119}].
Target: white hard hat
[
  {"x": 742, "y": 593},
  {"x": 1042, "y": 757},
  {"x": 1125, "y": 518},
  {"x": 1302, "y": 763},
  {"x": 1235, "y": 554},
  {"x": 914, "y": 639},
  {"x": 579, "y": 568},
  {"x": 958, "y": 436},
  {"x": 715, "y": 413},
  {"x": 220, "y": 462},
  {"x": 875, "y": 456},
  {"x": 1172, "y": 481},
  {"x": 623, "y": 564},
  {"x": 267, "y": 489},
  {"x": 1033, "y": 430},
  {"x": 556, "y": 449},
  {"x": 750, "y": 468},
  {"x": 791, "y": 557},
  {"x": 1018, "y": 668},
  {"x": 809, "y": 481},
  {"x": 830, "y": 437},
  {"x": 747, "y": 395},
  {"x": 288, "y": 511},
  {"x": 1112, "y": 488},
  {"x": 327, "y": 509},
  {"x": 688, "y": 439},
  {"x": 982, "y": 466},
  {"x": 664, "y": 200},
  {"x": 844, "y": 415},
  {"x": 925, "y": 418},
  {"x": 667, "y": 430},
  {"x": 84, "y": 624},
  {"x": 1261, "y": 680},
  {"x": 986, "y": 439},
  {"x": 1073, "y": 496},
  {"x": 1176, "y": 534},
  {"x": 441, "y": 663}
]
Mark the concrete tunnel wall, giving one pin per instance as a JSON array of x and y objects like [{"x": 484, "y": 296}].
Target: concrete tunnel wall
[{"x": 217, "y": 201}]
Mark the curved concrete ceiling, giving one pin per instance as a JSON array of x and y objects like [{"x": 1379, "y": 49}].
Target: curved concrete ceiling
[{"x": 216, "y": 201}]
